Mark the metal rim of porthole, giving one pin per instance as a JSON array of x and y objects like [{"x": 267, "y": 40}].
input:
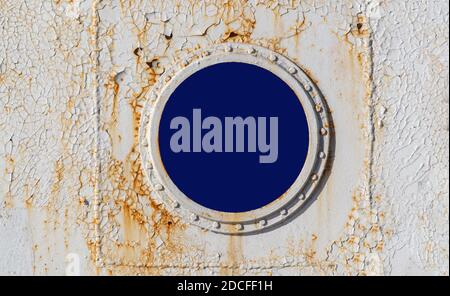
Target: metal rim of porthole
[{"x": 278, "y": 210}]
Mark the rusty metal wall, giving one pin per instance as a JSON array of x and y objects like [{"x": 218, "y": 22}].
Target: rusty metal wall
[{"x": 75, "y": 75}]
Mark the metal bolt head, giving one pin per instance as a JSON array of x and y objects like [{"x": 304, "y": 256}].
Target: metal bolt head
[
  {"x": 262, "y": 223},
  {"x": 314, "y": 177},
  {"x": 380, "y": 123},
  {"x": 283, "y": 212},
  {"x": 292, "y": 70},
  {"x": 272, "y": 58},
  {"x": 216, "y": 225},
  {"x": 158, "y": 187},
  {"x": 239, "y": 226},
  {"x": 228, "y": 48},
  {"x": 323, "y": 131},
  {"x": 322, "y": 155}
]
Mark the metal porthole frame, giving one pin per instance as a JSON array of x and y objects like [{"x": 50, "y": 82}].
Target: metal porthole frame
[{"x": 278, "y": 210}]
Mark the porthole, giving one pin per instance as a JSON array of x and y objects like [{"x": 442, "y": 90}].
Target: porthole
[{"x": 234, "y": 138}]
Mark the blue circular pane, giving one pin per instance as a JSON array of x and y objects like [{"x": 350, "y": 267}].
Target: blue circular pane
[{"x": 233, "y": 137}]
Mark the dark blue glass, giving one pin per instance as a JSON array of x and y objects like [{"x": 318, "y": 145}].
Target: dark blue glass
[{"x": 235, "y": 181}]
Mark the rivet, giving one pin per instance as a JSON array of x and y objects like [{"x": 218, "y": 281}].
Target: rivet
[
  {"x": 194, "y": 217},
  {"x": 207, "y": 53},
  {"x": 323, "y": 131},
  {"x": 272, "y": 58},
  {"x": 153, "y": 97},
  {"x": 302, "y": 196},
  {"x": 380, "y": 123},
  {"x": 314, "y": 177},
  {"x": 176, "y": 204},
  {"x": 322, "y": 155},
  {"x": 159, "y": 187},
  {"x": 239, "y": 226},
  {"x": 216, "y": 225},
  {"x": 318, "y": 108},
  {"x": 262, "y": 223},
  {"x": 228, "y": 48},
  {"x": 167, "y": 79},
  {"x": 283, "y": 212},
  {"x": 308, "y": 87},
  {"x": 292, "y": 70},
  {"x": 251, "y": 50}
]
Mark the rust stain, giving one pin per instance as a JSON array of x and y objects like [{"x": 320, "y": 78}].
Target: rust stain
[
  {"x": 8, "y": 200},
  {"x": 59, "y": 175},
  {"x": 234, "y": 255},
  {"x": 147, "y": 239},
  {"x": 361, "y": 29},
  {"x": 113, "y": 84}
]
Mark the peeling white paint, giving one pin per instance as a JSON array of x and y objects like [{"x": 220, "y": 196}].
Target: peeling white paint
[{"x": 74, "y": 76}]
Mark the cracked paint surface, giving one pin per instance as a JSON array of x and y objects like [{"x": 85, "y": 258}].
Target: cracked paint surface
[{"x": 74, "y": 76}]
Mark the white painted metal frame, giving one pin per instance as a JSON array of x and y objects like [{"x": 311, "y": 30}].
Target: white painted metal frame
[{"x": 288, "y": 203}]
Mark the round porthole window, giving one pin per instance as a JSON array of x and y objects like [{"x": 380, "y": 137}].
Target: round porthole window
[{"x": 234, "y": 138}]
